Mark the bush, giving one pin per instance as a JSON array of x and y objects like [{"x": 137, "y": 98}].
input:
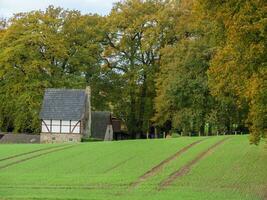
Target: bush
[
  {"x": 175, "y": 135},
  {"x": 91, "y": 140}
]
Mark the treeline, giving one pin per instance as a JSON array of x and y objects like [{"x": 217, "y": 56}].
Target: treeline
[{"x": 192, "y": 66}]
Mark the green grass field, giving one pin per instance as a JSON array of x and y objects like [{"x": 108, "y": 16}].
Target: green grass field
[{"x": 223, "y": 167}]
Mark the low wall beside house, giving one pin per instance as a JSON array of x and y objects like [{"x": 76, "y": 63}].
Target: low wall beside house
[
  {"x": 60, "y": 137},
  {"x": 11, "y": 138}
]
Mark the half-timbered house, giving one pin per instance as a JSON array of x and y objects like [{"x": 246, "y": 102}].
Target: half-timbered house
[{"x": 66, "y": 116}]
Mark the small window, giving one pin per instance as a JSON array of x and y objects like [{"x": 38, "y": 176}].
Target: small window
[
  {"x": 53, "y": 138},
  {"x": 70, "y": 139}
]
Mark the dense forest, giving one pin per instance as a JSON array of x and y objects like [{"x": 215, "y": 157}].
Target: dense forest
[{"x": 188, "y": 66}]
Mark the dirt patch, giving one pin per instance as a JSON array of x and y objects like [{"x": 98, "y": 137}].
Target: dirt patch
[
  {"x": 186, "y": 168},
  {"x": 265, "y": 194},
  {"x": 35, "y": 156},
  {"x": 118, "y": 164},
  {"x": 159, "y": 167},
  {"x": 27, "y": 153}
]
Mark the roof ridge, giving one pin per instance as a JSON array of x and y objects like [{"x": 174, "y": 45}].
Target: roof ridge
[
  {"x": 74, "y": 89},
  {"x": 101, "y": 111}
]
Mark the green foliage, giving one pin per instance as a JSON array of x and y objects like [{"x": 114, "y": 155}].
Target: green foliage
[
  {"x": 227, "y": 42},
  {"x": 136, "y": 31},
  {"x": 40, "y": 50},
  {"x": 238, "y": 68},
  {"x": 183, "y": 90},
  {"x": 175, "y": 135},
  {"x": 167, "y": 64},
  {"x": 91, "y": 140}
]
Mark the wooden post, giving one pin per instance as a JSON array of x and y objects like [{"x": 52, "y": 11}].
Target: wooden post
[
  {"x": 89, "y": 122},
  {"x": 164, "y": 134},
  {"x": 60, "y": 126},
  {"x": 147, "y": 135},
  {"x": 51, "y": 125}
]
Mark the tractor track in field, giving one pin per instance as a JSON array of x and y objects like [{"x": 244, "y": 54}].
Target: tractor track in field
[
  {"x": 119, "y": 164},
  {"x": 27, "y": 153},
  {"x": 65, "y": 187},
  {"x": 265, "y": 193},
  {"x": 187, "y": 167},
  {"x": 156, "y": 169},
  {"x": 35, "y": 156}
]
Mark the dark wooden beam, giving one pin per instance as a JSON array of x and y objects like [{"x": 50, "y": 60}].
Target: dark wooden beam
[
  {"x": 45, "y": 125},
  {"x": 60, "y": 128},
  {"x": 75, "y": 126}
]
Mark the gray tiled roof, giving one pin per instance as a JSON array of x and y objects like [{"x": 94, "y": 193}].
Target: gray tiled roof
[
  {"x": 100, "y": 121},
  {"x": 63, "y": 104}
]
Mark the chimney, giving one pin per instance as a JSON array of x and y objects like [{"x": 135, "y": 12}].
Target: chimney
[{"x": 89, "y": 119}]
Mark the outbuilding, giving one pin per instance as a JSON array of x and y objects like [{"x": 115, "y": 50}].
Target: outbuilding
[{"x": 102, "y": 127}]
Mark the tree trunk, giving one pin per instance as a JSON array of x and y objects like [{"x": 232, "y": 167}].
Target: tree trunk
[
  {"x": 142, "y": 105},
  {"x": 202, "y": 129},
  {"x": 132, "y": 119}
]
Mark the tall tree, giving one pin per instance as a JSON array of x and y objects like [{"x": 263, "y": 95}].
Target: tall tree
[
  {"x": 40, "y": 50},
  {"x": 183, "y": 93},
  {"x": 239, "y": 66},
  {"x": 136, "y": 31}
]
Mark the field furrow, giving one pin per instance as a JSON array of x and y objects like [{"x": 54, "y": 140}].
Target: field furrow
[
  {"x": 156, "y": 169},
  {"x": 27, "y": 153},
  {"x": 35, "y": 156},
  {"x": 186, "y": 168},
  {"x": 117, "y": 165}
]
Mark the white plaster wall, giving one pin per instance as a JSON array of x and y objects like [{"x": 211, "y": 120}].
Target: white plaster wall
[{"x": 66, "y": 126}]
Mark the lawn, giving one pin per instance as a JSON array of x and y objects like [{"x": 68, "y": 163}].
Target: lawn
[{"x": 223, "y": 167}]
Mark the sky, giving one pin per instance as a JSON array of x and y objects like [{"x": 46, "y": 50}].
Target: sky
[{"x": 9, "y": 7}]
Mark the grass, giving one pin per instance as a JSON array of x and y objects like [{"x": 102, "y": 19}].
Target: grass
[
  {"x": 106, "y": 170},
  {"x": 7, "y": 150}
]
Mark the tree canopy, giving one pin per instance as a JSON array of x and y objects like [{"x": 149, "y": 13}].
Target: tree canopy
[{"x": 196, "y": 67}]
